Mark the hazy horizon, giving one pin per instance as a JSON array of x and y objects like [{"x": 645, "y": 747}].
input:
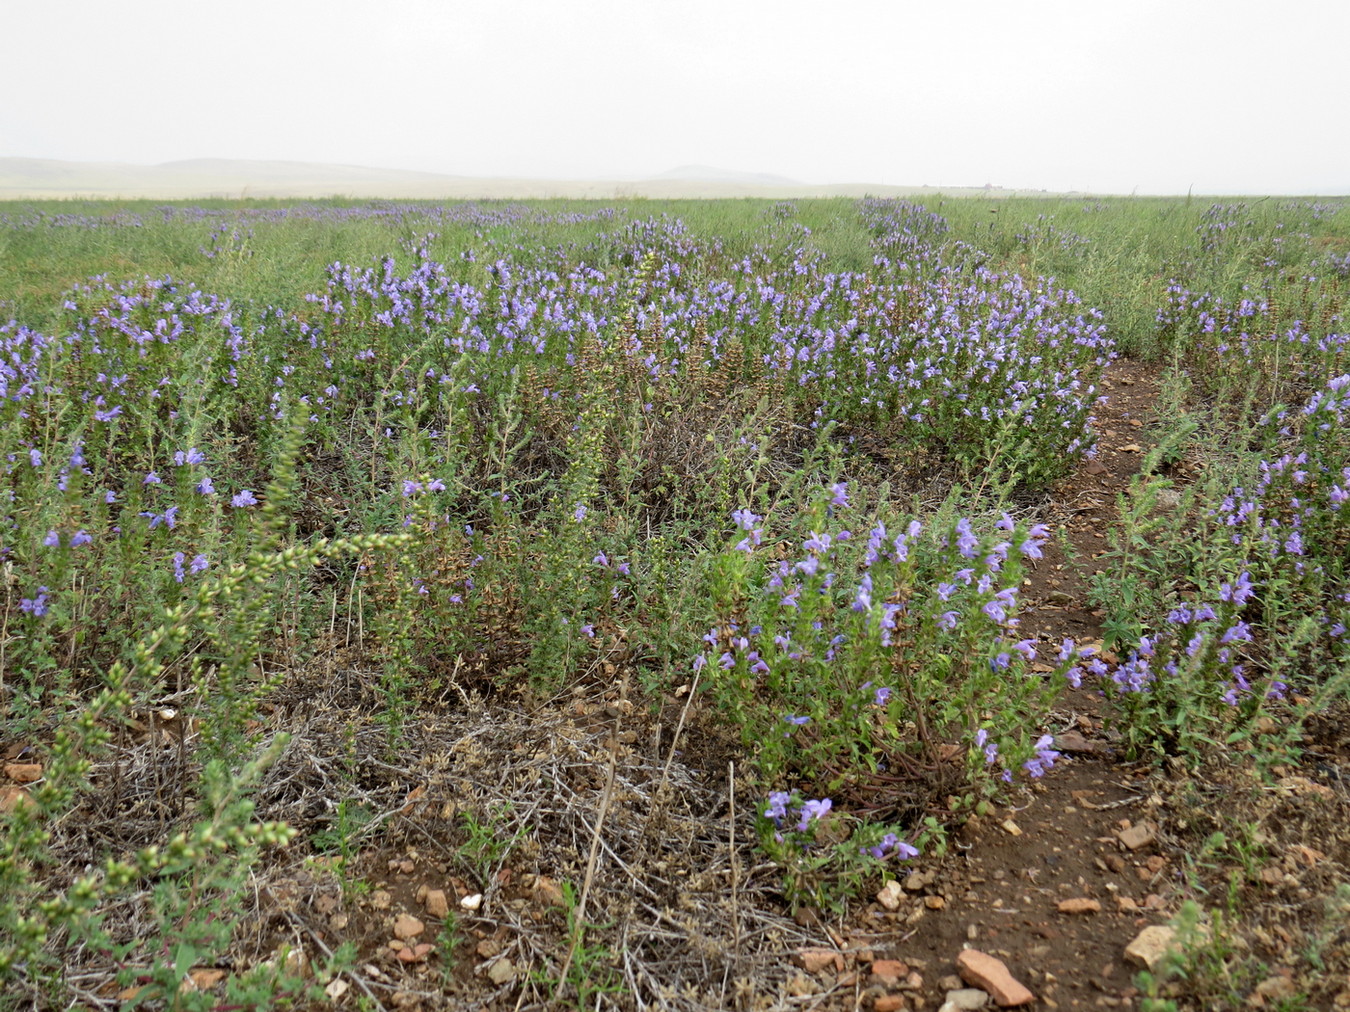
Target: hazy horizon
[{"x": 1210, "y": 96}]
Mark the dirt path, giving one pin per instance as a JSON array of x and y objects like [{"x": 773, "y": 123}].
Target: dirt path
[{"x": 1080, "y": 839}]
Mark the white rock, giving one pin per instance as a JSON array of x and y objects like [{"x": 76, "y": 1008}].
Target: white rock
[{"x": 966, "y": 998}]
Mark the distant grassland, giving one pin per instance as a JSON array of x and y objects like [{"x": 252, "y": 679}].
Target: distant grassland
[{"x": 1118, "y": 254}]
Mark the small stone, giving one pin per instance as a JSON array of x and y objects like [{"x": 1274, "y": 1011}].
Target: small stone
[
  {"x": 951, "y": 982},
  {"x": 407, "y": 926},
  {"x": 890, "y": 895},
  {"x": 1137, "y": 836},
  {"x": 816, "y": 960},
  {"x": 472, "y": 902},
  {"x": 934, "y": 902},
  {"x": 801, "y": 985},
  {"x": 967, "y": 998},
  {"x": 1072, "y": 741},
  {"x": 336, "y": 988},
  {"x": 501, "y": 972},
  {"x": 1126, "y": 904},
  {"x": 1156, "y": 863},
  {"x": 1150, "y": 945},
  {"x": 1131, "y": 448},
  {"x": 488, "y": 948},
  {"x": 888, "y": 972},
  {"x": 436, "y": 903},
  {"x": 24, "y": 773},
  {"x": 380, "y": 899},
  {"x": 415, "y": 953},
  {"x": 1079, "y": 905},
  {"x": 915, "y": 882},
  {"x": 889, "y": 1003},
  {"x": 1011, "y": 828},
  {"x": 12, "y": 798},
  {"x": 991, "y": 975},
  {"x": 913, "y": 981}
]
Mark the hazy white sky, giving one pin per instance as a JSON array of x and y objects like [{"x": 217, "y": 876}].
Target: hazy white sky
[{"x": 1157, "y": 96}]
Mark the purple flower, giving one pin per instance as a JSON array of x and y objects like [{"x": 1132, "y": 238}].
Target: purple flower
[
  {"x": 881, "y": 695},
  {"x": 35, "y": 606},
  {"x": 812, "y": 810},
  {"x": 193, "y": 456},
  {"x": 966, "y": 541},
  {"x": 1240, "y": 592},
  {"x": 891, "y": 844},
  {"x": 817, "y": 543},
  {"x": 777, "y": 810},
  {"x": 748, "y": 544},
  {"x": 243, "y": 499},
  {"x": 745, "y": 520},
  {"x": 1044, "y": 758},
  {"x": 80, "y": 537},
  {"x": 862, "y": 601},
  {"x": 199, "y": 564},
  {"x": 167, "y": 518},
  {"x": 205, "y": 487},
  {"x": 52, "y": 539},
  {"x": 840, "y": 494},
  {"x": 579, "y": 514},
  {"x": 601, "y": 559},
  {"x": 151, "y": 479},
  {"x": 35, "y": 457},
  {"x": 792, "y": 718},
  {"x": 178, "y": 558}
]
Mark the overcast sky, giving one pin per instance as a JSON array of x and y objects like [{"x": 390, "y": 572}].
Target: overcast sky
[{"x": 1114, "y": 96}]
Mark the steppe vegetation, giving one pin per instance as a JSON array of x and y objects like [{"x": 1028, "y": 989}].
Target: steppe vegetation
[{"x": 606, "y": 584}]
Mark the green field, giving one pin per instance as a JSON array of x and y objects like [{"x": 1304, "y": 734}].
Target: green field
[{"x": 499, "y": 532}]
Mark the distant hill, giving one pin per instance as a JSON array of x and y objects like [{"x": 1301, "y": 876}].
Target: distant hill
[
  {"x": 708, "y": 174},
  {"x": 46, "y": 178}
]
